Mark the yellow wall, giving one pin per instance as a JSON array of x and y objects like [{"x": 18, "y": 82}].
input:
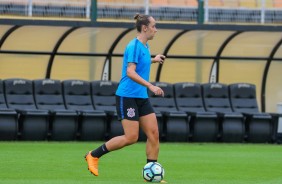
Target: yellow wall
[{"x": 99, "y": 40}]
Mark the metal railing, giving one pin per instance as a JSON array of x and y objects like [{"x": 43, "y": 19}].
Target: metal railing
[
  {"x": 46, "y": 8},
  {"x": 214, "y": 11},
  {"x": 243, "y": 11}
]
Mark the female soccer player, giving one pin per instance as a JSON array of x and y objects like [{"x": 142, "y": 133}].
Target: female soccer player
[{"x": 132, "y": 103}]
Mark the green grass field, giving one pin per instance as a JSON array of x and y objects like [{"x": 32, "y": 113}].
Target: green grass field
[{"x": 184, "y": 163}]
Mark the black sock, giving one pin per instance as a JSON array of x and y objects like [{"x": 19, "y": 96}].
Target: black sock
[
  {"x": 149, "y": 160},
  {"x": 102, "y": 150}
]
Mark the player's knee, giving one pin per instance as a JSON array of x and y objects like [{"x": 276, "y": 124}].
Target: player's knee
[
  {"x": 131, "y": 139},
  {"x": 154, "y": 136}
]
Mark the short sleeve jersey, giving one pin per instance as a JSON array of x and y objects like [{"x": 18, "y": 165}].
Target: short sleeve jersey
[{"x": 135, "y": 52}]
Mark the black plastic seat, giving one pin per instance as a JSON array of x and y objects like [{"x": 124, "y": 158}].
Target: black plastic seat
[
  {"x": 33, "y": 123},
  {"x": 92, "y": 123},
  {"x": 173, "y": 125},
  {"x": 259, "y": 126},
  {"x": 103, "y": 97},
  {"x": 48, "y": 96},
  {"x": 204, "y": 125},
  {"x": 8, "y": 119},
  {"x": 216, "y": 99}
]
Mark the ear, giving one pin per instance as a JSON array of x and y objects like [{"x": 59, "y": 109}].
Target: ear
[{"x": 144, "y": 28}]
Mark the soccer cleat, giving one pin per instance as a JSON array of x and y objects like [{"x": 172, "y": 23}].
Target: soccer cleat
[{"x": 92, "y": 163}]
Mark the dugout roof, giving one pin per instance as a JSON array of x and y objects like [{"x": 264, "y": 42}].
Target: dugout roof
[{"x": 194, "y": 54}]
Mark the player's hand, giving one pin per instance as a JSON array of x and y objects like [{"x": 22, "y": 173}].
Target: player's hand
[
  {"x": 156, "y": 90},
  {"x": 159, "y": 59}
]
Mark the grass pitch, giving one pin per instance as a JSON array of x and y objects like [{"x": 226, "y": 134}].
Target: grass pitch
[{"x": 184, "y": 163}]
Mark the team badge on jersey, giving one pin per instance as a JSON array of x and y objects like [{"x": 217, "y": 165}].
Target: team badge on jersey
[{"x": 130, "y": 112}]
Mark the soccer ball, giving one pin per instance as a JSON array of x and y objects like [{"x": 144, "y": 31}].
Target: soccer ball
[{"x": 153, "y": 172}]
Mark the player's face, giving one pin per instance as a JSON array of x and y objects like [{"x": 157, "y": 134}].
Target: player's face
[{"x": 151, "y": 29}]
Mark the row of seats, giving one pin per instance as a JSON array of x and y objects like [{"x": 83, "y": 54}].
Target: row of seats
[
  {"x": 221, "y": 3},
  {"x": 50, "y": 8},
  {"x": 245, "y": 3},
  {"x": 194, "y": 3},
  {"x": 82, "y": 110},
  {"x": 51, "y": 109},
  {"x": 181, "y": 3},
  {"x": 213, "y": 112}
]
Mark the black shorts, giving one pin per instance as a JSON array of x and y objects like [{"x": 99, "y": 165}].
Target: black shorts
[{"x": 133, "y": 108}]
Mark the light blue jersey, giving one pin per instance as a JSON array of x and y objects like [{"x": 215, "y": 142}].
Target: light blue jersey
[{"x": 135, "y": 52}]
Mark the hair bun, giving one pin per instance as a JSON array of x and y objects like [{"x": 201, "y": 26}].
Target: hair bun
[{"x": 137, "y": 15}]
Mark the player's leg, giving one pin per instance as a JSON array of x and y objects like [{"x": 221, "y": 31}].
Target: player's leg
[
  {"x": 149, "y": 125},
  {"x": 131, "y": 133},
  {"x": 129, "y": 119},
  {"x": 127, "y": 111},
  {"x": 148, "y": 122}
]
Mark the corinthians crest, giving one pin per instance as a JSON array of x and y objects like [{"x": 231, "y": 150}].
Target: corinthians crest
[{"x": 130, "y": 112}]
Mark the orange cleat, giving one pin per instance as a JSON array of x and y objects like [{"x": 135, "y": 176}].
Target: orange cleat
[{"x": 92, "y": 163}]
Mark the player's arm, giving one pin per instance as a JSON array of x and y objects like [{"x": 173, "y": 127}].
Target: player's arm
[{"x": 132, "y": 74}]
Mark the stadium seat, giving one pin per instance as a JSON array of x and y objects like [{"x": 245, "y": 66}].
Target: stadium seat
[
  {"x": 103, "y": 98},
  {"x": 48, "y": 96},
  {"x": 259, "y": 126},
  {"x": 215, "y": 3},
  {"x": 248, "y": 4},
  {"x": 33, "y": 123},
  {"x": 277, "y": 3},
  {"x": 173, "y": 125},
  {"x": 230, "y": 4},
  {"x": 192, "y": 3},
  {"x": 179, "y": 3},
  {"x": 92, "y": 123},
  {"x": 216, "y": 99},
  {"x": 203, "y": 125},
  {"x": 159, "y": 2},
  {"x": 8, "y": 119},
  {"x": 267, "y": 4}
]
